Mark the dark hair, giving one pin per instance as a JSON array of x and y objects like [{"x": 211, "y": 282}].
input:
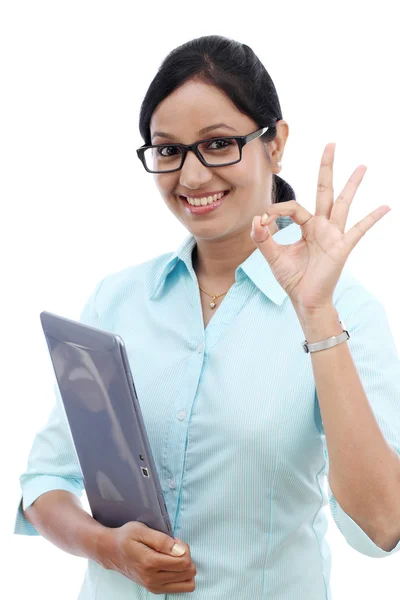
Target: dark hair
[{"x": 235, "y": 69}]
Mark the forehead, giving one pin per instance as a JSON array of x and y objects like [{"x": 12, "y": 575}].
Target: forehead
[{"x": 193, "y": 106}]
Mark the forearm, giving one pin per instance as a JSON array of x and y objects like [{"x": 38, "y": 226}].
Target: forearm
[
  {"x": 60, "y": 518},
  {"x": 364, "y": 470}
]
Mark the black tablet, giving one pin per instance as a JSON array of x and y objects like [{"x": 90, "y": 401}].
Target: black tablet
[{"x": 106, "y": 424}]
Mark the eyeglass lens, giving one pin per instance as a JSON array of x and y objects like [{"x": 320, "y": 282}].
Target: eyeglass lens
[{"x": 215, "y": 152}]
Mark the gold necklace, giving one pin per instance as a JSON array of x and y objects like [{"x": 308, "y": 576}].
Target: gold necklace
[{"x": 213, "y": 296}]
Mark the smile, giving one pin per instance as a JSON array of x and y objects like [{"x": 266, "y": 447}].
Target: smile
[{"x": 209, "y": 204}]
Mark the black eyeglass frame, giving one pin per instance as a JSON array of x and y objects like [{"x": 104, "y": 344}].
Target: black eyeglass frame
[{"x": 242, "y": 140}]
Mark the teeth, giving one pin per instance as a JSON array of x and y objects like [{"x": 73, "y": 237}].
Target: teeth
[{"x": 205, "y": 200}]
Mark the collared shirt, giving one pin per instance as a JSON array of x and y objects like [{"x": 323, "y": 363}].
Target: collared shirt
[{"x": 234, "y": 424}]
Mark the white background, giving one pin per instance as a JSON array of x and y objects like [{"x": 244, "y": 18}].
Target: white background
[{"x": 76, "y": 203}]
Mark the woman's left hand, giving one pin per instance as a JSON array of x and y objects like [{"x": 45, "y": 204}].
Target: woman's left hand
[{"x": 309, "y": 269}]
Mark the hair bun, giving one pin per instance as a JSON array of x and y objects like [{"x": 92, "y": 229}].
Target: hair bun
[{"x": 283, "y": 191}]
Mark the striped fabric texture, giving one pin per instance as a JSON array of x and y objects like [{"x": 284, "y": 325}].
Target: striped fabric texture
[{"x": 234, "y": 425}]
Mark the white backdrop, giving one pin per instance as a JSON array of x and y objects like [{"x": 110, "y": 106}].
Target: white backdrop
[{"x": 76, "y": 204}]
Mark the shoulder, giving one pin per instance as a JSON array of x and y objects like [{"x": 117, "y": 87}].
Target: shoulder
[{"x": 134, "y": 278}]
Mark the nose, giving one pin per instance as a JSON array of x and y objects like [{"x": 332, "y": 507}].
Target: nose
[{"x": 193, "y": 173}]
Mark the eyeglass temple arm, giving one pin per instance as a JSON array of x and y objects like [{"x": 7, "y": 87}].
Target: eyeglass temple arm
[{"x": 256, "y": 134}]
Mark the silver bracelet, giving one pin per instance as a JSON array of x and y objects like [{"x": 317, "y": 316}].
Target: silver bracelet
[{"x": 328, "y": 343}]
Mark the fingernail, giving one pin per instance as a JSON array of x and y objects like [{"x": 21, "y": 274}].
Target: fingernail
[
  {"x": 264, "y": 218},
  {"x": 178, "y": 550}
]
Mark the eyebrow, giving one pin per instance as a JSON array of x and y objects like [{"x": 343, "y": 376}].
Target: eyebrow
[{"x": 201, "y": 132}]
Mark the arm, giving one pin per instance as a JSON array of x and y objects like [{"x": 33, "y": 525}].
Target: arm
[
  {"x": 364, "y": 472},
  {"x": 60, "y": 518}
]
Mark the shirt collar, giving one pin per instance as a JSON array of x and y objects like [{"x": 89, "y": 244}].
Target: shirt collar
[{"x": 255, "y": 266}]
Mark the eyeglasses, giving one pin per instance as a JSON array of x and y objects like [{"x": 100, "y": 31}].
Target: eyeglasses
[{"x": 214, "y": 152}]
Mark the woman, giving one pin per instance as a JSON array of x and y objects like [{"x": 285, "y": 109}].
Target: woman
[{"x": 242, "y": 424}]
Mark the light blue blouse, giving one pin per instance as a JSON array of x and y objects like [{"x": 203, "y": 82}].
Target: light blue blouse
[{"x": 234, "y": 424}]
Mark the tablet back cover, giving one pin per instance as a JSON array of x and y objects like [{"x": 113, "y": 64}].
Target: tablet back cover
[{"x": 106, "y": 424}]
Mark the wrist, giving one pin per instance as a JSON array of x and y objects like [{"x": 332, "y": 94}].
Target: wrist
[
  {"x": 95, "y": 541},
  {"x": 319, "y": 324}
]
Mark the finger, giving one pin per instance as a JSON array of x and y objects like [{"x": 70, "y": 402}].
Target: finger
[
  {"x": 291, "y": 208},
  {"x": 354, "y": 235},
  {"x": 170, "y": 576},
  {"x": 325, "y": 182},
  {"x": 179, "y": 587},
  {"x": 341, "y": 207}
]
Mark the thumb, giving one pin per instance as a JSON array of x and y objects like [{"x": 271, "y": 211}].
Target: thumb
[
  {"x": 157, "y": 540},
  {"x": 178, "y": 547},
  {"x": 261, "y": 236},
  {"x": 259, "y": 232}
]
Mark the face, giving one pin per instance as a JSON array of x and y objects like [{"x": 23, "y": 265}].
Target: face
[{"x": 186, "y": 111}]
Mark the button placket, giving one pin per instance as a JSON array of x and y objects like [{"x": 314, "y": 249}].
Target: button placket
[
  {"x": 174, "y": 451},
  {"x": 181, "y": 415}
]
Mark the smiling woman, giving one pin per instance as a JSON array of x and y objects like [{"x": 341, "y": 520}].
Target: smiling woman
[
  {"x": 211, "y": 122},
  {"x": 236, "y": 425}
]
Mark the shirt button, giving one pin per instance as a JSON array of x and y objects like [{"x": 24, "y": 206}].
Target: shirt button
[
  {"x": 172, "y": 484},
  {"x": 181, "y": 415},
  {"x": 200, "y": 348}
]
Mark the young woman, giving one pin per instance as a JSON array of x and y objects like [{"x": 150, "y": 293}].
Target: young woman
[{"x": 245, "y": 428}]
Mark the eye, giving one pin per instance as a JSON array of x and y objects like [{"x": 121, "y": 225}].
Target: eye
[
  {"x": 226, "y": 142},
  {"x": 170, "y": 150}
]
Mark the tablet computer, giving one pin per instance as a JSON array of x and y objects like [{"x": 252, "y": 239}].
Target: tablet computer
[{"x": 102, "y": 409}]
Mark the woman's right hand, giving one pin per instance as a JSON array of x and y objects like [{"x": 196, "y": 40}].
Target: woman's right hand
[{"x": 145, "y": 556}]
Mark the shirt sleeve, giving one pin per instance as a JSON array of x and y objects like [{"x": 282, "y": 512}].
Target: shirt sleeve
[
  {"x": 375, "y": 355},
  {"x": 52, "y": 462}
]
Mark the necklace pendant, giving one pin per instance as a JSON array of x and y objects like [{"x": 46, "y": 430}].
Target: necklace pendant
[{"x": 212, "y": 304}]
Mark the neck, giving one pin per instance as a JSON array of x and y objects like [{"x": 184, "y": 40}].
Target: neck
[{"x": 215, "y": 261}]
